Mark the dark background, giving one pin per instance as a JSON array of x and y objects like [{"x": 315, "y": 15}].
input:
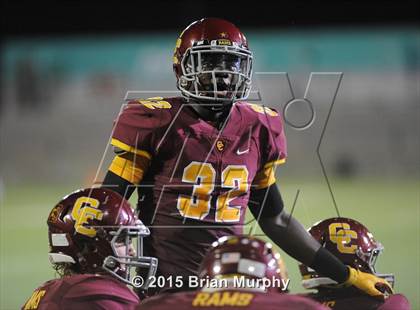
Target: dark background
[{"x": 29, "y": 18}]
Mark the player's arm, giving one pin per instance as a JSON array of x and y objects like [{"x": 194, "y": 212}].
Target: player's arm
[
  {"x": 267, "y": 207},
  {"x": 133, "y": 138},
  {"x": 125, "y": 172},
  {"x": 284, "y": 230},
  {"x": 118, "y": 184}
]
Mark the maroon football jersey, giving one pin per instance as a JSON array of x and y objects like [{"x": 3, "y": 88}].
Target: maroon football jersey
[
  {"x": 229, "y": 299},
  {"x": 361, "y": 301},
  {"x": 196, "y": 188},
  {"x": 86, "y": 291}
]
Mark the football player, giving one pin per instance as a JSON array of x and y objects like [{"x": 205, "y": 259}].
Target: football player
[
  {"x": 90, "y": 234},
  {"x": 239, "y": 264},
  {"x": 354, "y": 245},
  {"x": 201, "y": 159}
]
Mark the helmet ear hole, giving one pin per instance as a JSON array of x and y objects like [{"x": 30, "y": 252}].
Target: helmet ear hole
[
  {"x": 81, "y": 260},
  {"x": 92, "y": 248},
  {"x": 110, "y": 262},
  {"x": 102, "y": 234}
]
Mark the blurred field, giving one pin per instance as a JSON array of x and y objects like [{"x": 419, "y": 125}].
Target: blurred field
[{"x": 389, "y": 208}]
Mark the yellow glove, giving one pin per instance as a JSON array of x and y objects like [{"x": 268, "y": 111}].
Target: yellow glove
[{"x": 367, "y": 282}]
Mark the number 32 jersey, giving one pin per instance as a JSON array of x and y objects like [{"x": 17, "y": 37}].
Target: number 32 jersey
[{"x": 194, "y": 180}]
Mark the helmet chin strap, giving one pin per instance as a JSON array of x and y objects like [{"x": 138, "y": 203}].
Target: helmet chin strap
[{"x": 211, "y": 113}]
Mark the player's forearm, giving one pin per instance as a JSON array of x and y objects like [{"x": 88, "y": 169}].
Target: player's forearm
[
  {"x": 292, "y": 237},
  {"x": 267, "y": 207}
]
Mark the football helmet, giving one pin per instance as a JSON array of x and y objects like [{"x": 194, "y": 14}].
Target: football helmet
[
  {"x": 247, "y": 256},
  {"x": 351, "y": 242},
  {"x": 212, "y": 62},
  {"x": 92, "y": 229}
]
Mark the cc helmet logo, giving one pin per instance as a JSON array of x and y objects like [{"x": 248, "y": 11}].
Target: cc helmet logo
[
  {"x": 85, "y": 209},
  {"x": 341, "y": 235}
]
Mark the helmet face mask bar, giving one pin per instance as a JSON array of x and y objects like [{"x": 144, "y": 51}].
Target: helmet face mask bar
[
  {"x": 220, "y": 73},
  {"x": 122, "y": 266},
  {"x": 371, "y": 258}
]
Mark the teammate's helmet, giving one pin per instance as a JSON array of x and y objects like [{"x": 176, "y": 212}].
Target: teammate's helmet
[
  {"x": 92, "y": 230},
  {"x": 351, "y": 242},
  {"x": 252, "y": 258},
  {"x": 212, "y": 62}
]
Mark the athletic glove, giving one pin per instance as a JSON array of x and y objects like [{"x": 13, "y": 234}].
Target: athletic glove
[{"x": 368, "y": 283}]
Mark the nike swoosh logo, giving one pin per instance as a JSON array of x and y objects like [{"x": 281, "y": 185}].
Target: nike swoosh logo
[{"x": 238, "y": 152}]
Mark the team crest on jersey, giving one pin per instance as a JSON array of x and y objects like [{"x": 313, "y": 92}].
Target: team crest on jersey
[{"x": 220, "y": 145}]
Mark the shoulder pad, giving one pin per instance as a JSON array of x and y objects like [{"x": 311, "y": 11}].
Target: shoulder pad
[
  {"x": 74, "y": 279},
  {"x": 97, "y": 285},
  {"x": 265, "y": 116},
  {"x": 146, "y": 113},
  {"x": 154, "y": 103}
]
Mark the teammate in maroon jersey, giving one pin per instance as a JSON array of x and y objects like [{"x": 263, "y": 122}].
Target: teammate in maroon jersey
[
  {"x": 355, "y": 246},
  {"x": 200, "y": 160},
  {"x": 90, "y": 234},
  {"x": 237, "y": 265}
]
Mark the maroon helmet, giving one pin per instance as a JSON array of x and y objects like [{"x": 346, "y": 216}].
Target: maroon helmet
[
  {"x": 244, "y": 256},
  {"x": 92, "y": 230},
  {"x": 212, "y": 62},
  {"x": 348, "y": 240}
]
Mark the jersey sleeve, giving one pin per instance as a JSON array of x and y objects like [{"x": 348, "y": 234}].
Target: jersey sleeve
[
  {"x": 273, "y": 147},
  {"x": 135, "y": 137},
  {"x": 137, "y": 127}
]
